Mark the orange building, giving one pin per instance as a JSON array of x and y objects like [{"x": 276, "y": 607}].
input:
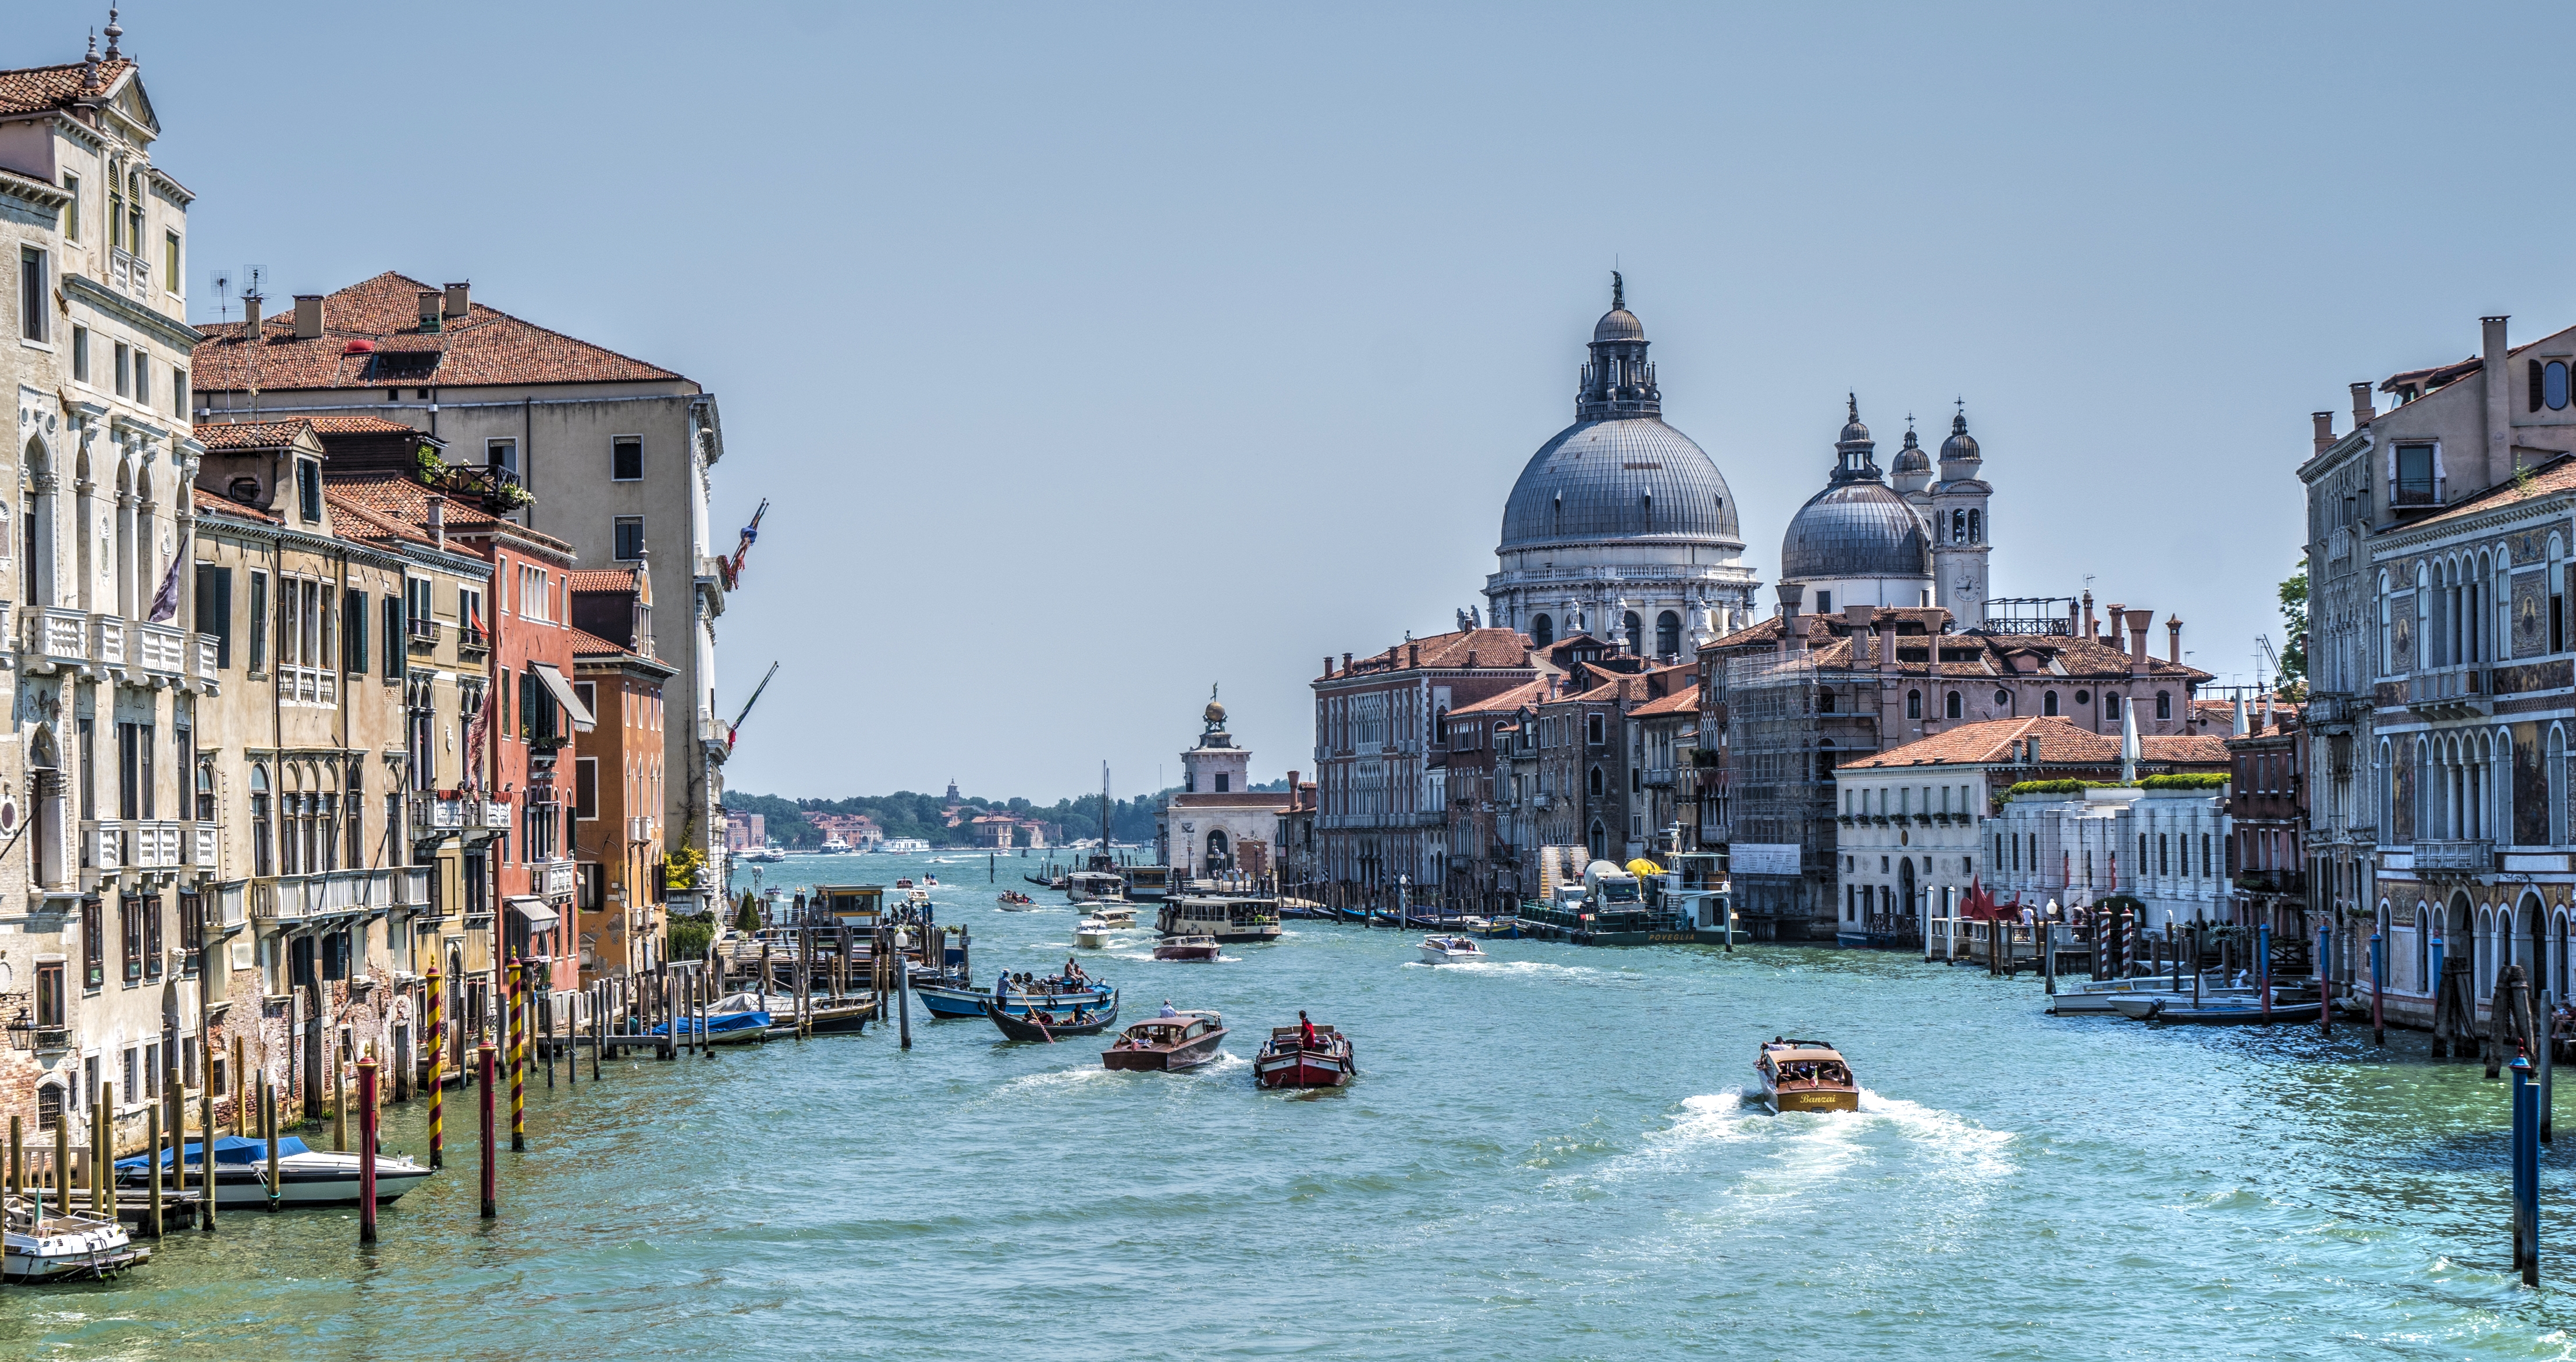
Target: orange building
[{"x": 618, "y": 792}]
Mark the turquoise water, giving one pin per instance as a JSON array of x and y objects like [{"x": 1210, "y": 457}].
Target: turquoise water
[{"x": 1543, "y": 1157}]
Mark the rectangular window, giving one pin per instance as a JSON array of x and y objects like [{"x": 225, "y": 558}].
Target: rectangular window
[
  {"x": 80, "y": 354},
  {"x": 630, "y": 538},
  {"x": 626, "y": 458},
  {"x": 535, "y": 594},
  {"x": 2415, "y": 482},
  {"x": 588, "y": 693},
  {"x": 35, "y": 294},
  {"x": 502, "y": 456},
  {"x": 353, "y": 621},
  {"x": 178, "y": 391},
  {"x": 395, "y": 659},
  {"x": 142, "y": 376},
  {"x": 51, "y": 1006},
  {"x": 170, "y": 261},
  {"x": 84, "y": 732},
  {"x": 124, "y": 368},
  {"x": 129, "y": 770},
  {"x": 258, "y": 621},
  {"x": 72, "y": 210},
  {"x": 93, "y": 942},
  {"x": 469, "y": 616},
  {"x": 585, "y": 787},
  {"x": 308, "y": 490},
  {"x": 215, "y": 610}
]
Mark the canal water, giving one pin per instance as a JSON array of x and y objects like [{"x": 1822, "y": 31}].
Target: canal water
[{"x": 1544, "y": 1156}]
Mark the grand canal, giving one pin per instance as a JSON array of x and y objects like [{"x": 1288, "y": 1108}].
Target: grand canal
[{"x": 1544, "y": 1157}]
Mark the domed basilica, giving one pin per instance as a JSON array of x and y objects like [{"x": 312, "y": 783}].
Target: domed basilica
[
  {"x": 1920, "y": 542},
  {"x": 1621, "y": 526}
]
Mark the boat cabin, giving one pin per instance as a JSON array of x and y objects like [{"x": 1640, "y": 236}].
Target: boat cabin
[
  {"x": 1092, "y": 886},
  {"x": 846, "y": 905},
  {"x": 1226, "y": 919},
  {"x": 1148, "y": 882}
]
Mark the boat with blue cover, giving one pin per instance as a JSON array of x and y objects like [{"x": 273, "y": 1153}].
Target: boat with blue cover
[
  {"x": 948, "y": 994},
  {"x": 735, "y": 1019},
  {"x": 305, "y": 1176}
]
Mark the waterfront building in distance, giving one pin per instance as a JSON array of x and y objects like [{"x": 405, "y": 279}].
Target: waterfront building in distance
[
  {"x": 616, "y": 454},
  {"x": 1620, "y": 525},
  {"x": 1215, "y": 822},
  {"x": 1917, "y": 824},
  {"x": 2441, "y": 671}
]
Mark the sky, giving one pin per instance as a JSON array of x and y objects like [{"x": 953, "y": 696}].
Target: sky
[{"x": 1093, "y": 355}]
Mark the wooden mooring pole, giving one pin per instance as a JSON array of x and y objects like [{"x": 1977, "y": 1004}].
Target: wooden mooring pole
[
  {"x": 2526, "y": 1172},
  {"x": 206, "y": 1131},
  {"x": 437, "y": 1068},
  {"x": 491, "y": 1145},
  {"x": 366, "y": 1150},
  {"x": 152, "y": 1164}
]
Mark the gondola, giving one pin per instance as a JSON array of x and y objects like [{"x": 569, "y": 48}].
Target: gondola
[{"x": 1038, "y": 1024}]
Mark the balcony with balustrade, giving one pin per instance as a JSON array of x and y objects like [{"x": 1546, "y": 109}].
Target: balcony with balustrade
[
  {"x": 2460, "y": 857},
  {"x": 129, "y": 273},
  {"x": 55, "y": 639},
  {"x": 2451, "y": 692},
  {"x": 162, "y": 653},
  {"x": 337, "y": 893}
]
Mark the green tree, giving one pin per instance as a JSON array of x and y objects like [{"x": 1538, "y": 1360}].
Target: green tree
[
  {"x": 2294, "y": 622},
  {"x": 746, "y": 918}
]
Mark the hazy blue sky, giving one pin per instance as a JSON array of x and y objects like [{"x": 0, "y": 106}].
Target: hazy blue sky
[{"x": 1095, "y": 354}]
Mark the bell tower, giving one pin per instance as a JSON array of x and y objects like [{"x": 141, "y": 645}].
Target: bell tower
[
  {"x": 1961, "y": 532},
  {"x": 1216, "y": 765}
]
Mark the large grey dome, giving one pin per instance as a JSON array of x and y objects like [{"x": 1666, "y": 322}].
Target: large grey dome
[
  {"x": 1631, "y": 479},
  {"x": 1858, "y": 528}
]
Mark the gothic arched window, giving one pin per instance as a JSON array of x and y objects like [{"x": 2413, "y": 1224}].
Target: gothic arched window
[{"x": 1596, "y": 780}]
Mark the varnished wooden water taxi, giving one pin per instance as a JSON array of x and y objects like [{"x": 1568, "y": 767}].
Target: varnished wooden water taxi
[{"x": 1806, "y": 1075}]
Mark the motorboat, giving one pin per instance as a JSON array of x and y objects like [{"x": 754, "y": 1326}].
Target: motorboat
[
  {"x": 1013, "y": 901},
  {"x": 1119, "y": 916},
  {"x": 1806, "y": 1075},
  {"x": 903, "y": 846},
  {"x": 770, "y": 854},
  {"x": 1451, "y": 950},
  {"x": 734, "y": 1019},
  {"x": 946, "y": 994},
  {"x": 1045, "y": 1024},
  {"x": 1095, "y": 886},
  {"x": 35, "y": 1247},
  {"x": 1186, "y": 948},
  {"x": 1183, "y": 1040},
  {"x": 305, "y": 1176},
  {"x": 1229, "y": 920},
  {"x": 835, "y": 846},
  {"x": 1286, "y": 1061},
  {"x": 2096, "y": 997},
  {"x": 2235, "y": 1007},
  {"x": 1092, "y": 934}
]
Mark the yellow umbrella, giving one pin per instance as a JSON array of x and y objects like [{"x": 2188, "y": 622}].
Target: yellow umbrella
[{"x": 1642, "y": 866}]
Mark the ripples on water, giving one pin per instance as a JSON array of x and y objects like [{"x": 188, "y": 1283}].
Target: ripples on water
[{"x": 1546, "y": 1155}]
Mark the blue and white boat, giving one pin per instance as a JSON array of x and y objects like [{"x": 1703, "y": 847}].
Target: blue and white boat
[
  {"x": 948, "y": 995},
  {"x": 735, "y": 1019},
  {"x": 305, "y": 1176}
]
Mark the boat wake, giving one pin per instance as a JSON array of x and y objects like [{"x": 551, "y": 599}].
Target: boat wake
[{"x": 1512, "y": 969}]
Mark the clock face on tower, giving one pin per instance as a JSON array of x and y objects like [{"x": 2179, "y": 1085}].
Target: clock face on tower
[{"x": 1967, "y": 583}]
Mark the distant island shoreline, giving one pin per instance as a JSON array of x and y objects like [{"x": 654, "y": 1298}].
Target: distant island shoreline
[{"x": 947, "y": 822}]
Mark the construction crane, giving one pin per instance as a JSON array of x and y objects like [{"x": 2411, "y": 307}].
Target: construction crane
[{"x": 735, "y": 729}]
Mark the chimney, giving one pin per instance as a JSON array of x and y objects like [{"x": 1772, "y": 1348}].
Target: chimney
[
  {"x": 1471, "y": 659},
  {"x": 2112, "y": 619},
  {"x": 2499, "y": 378},
  {"x": 1413, "y": 654},
  {"x": 1793, "y": 632},
  {"x": 250, "y": 316},
  {"x": 2088, "y": 614},
  {"x": 2361, "y": 408},
  {"x": 1887, "y": 641},
  {"x": 2173, "y": 639},
  {"x": 438, "y": 519},
  {"x": 456, "y": 299},
  {"x": 308, "y": 316},
  {"x": 1346, "y": 664},
  {"x": 2138, "y": 622},
  {"x": 1328, "y": 666},
  {"x": 2324, "y": 434},
  {"x": 431, "y": 305}
]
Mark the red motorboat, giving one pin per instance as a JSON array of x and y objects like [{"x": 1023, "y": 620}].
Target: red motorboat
[
  {"x": 1286, "y": 1062},
  {"x": 1177, "y": 1042},
  {"x": 1186, "y": 948}
]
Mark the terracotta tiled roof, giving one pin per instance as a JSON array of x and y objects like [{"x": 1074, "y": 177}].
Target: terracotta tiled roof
[
  {"x": 208, "y": 503},
  {"x": 1527, "y": 693},
  {"x": 1492, "y": 647},
  {"x": 2557, "y": 475},
  {"x": 588, "y": 644},
  {"x": 1988, "y": 655},
  {"x": 2060, "y": 743},
  {"x": 32, "y": 89},
  {"x": 1683, "y": 701},
  {"x": 600, "y": 579},
  {"x": 355, "y": 520},
  {"x": 371, "y": 338},
  {"x": 406, "y": 502},
  {"x": 250, "y": 434},
  {"x": 359, "y": 425}
]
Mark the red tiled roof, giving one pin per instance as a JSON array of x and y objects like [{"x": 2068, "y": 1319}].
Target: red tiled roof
[
  {"x": 600, "y": 579},
  {"x": 406, "y": 502},
  {"x": 33, "y": 89},
  {"x": 250, "y": 434},
  {"x": 2060, "y": 743},
  {"x": 358, "y": 425},
  {"x": 487, "y": 347},
  {"x": 2082, "y": 658},
  {"x": 1683, "y": 701},
  {"x": 2547, "y": 479},
  {"x": 588, "y": 644},
  {"x": 1492, "y": 647},
  {"x": 1526, "y": 693},
  {"x": 208, "y": 503}
]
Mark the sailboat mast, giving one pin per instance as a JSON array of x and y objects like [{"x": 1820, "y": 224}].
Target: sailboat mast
[{"x": 1104, "y": 808}]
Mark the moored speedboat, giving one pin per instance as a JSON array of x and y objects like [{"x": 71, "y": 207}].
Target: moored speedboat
[
  {"x": 1286, "y": 1061},
  {"x": 1184, "y": 1041},
  {"x": 1186, "y": 948},
  {"x": 305, "y": 1176},
  {"x": 1806, "y": 1075},
  {"x": 1091, "y": 934},
  {"x": 1451, "y": 950},
  {"x": 35, "y": 1247},
  {"x": 2233, "y": 1009}
]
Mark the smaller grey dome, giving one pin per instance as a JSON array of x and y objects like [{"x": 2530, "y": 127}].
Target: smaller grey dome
[
  {"x": 1618, "y": 324},
  {"x": 1961, "y": 447},
  {"x": 1856, "y": 528},
  {"x": 1912, "y": 459}
]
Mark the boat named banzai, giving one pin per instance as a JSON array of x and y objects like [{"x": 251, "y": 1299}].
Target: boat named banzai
[{"x": 1806, "y": 1075}]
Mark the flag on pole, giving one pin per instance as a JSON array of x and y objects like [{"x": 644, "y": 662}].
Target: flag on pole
[{"x": 165, "y": 602}]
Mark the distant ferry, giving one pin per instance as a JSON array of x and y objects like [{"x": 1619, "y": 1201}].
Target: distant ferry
[
  {"x": 834, "y": 846},
  {"x": 903, "y": 846}
]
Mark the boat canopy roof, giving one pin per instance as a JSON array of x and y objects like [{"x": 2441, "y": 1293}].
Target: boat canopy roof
[
  {"x": 1799, "y": 1052},
  {"x": 229, "y": 1149}
]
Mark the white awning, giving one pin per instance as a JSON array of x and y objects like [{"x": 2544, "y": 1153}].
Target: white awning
[
  {"x": 535, "y": 913},
  {"x": 582, "y": 722}
]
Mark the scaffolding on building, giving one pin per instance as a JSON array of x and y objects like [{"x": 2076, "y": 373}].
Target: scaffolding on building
[{"x": 1780, "y": 783}]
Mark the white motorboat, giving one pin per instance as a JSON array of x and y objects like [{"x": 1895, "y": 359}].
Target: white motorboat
[
  {"x": 305, "y": 1176},
  {"x": 834, "y": 846},
  {"x": 1116, "y": 916},
  {"x": 57, "y": 1248},
  {"x": 2095, "y": 998},
  {"x": 1091, "y": 934},
  {"x": 1451, "y": 950}
]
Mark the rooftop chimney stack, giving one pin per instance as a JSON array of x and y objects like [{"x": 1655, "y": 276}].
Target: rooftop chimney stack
[
  {"x": 2138, "y": 622},
  {"x": 250, "y": 316},
  {"x": 2112, "y": 619},
  {"x": 2498, "y": 373},
  {"x": 308, "y": 316},
  {"x": 2173, "y": 639},
  {"x": 1346, "y": 664},
  {"x": 1413, "y": 654},
  {"x": 2324, "y": 434},
  {"x": 456, "y": 299},
  {"x": 2088, "y": 614},
  {"x": 431, "y": 305},
  {"x": 1328, "y": 666},
  {"x": 2361, "y": 408},
  {"x": 1793, "y": 632},
  {"x": 438, "y": 519}
]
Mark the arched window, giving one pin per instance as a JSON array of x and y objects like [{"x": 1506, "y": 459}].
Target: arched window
[
  {"x": 2387, "y": 644},
  {"x": 2554, "y": 771},
  {"x": 2110, "y": 705},
  {"x": 1596, "y": 780},
  {"x": 2553, "y": 385},
  {"x": 1950, "y": 705},
  {"x": 1825, "y": 702},
  {"x": 1216, "y": 847},
  {"x": 2003, "y": 698},
  {"x": 263, "y": 844},
  {"x": 2423, "y": 950},
  {"x": 2482, "y": 956},
  {"x": 2164, "y": 704},
  {"x": 1634, "y": 630},
  {"x": 1440, "y": 725},
  {"x": 1976, "y": 527},
  {"x": 1914, "y": 704},
  {"x": 1600, "y": 845},
  {"x": 1668, "y": 634},
  {"x": 2048, "y": 703},
  {"x": 1958, "y": 527},
  {"x": 1542, "y": 630}
]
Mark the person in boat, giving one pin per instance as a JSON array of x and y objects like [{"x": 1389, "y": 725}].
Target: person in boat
[
  {"x": 1002, "y": 986},
  {"x": 1305, "y": 1030},
  {"x": 1167, "y": 1009}
]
